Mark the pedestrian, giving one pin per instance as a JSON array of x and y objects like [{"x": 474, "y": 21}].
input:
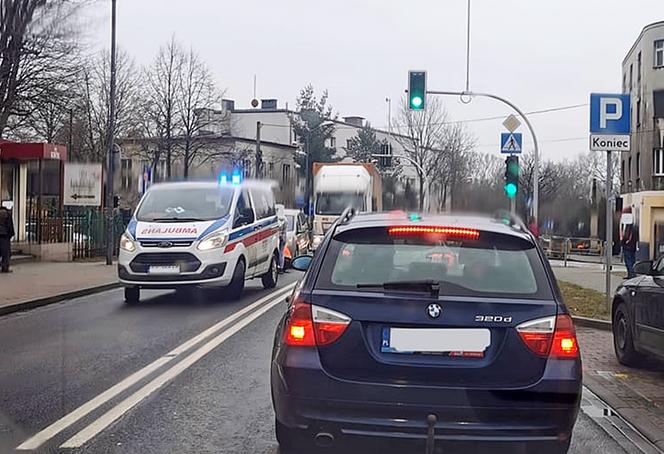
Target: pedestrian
[
  {"x": 283, "y": 225},
  {"x": 6, "y": 234},
  {"x": 628, "y": 242},
  {"x": 534, "y": 228}
]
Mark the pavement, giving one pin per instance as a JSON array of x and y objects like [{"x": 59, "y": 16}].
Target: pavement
[
  {"x": 37, "y": 283},
  {"x": 94, "y": 375}
]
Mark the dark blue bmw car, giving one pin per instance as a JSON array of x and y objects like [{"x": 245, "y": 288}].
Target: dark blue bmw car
[{"x": 449, "y": 329}]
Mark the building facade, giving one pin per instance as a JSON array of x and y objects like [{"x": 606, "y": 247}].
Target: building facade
[{"x": 642, "y": 169}]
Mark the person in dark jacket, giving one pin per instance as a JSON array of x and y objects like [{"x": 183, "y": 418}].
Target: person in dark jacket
[
  {"x": 6, "y": 234},
  {"x": 628, "y": 243}
]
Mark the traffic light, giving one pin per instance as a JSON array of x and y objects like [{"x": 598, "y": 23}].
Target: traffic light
[
  {"x": 417, "y": 90},
  {"x": 511, "y": 176}
]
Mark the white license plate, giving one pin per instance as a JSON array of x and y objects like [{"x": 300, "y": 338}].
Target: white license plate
[
  {"x": 173, "y": 269},
  {"x": 435, "y": 340}
]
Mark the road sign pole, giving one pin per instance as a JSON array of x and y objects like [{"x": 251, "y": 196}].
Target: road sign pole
[
  {"x": 609, "y": 228},
  {"x": 513, "y": 205}
]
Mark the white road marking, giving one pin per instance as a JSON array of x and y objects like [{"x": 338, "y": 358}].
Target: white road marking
[
  {"x": 61, "y": 424},
  {"x": 123, "y": 407}
]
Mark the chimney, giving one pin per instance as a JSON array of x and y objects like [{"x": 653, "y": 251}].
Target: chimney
[
  {"x": 227, "y": 104},
  {"x": 355, "y": 121},
  {"x": 268, "y": 104}
]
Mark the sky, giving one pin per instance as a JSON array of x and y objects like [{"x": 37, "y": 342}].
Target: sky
[{"x": 539, "y": 54}]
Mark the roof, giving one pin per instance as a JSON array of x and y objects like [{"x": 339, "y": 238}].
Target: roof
[
  {"x": 638, "y": 40},
  {"x": 211, "y": 184},
  {"x": 21, "y": 151},
  {"x": 398, "y": 218}
]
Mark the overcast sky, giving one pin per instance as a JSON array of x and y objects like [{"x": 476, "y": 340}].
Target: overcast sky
[{"x": 539, "y": 54}]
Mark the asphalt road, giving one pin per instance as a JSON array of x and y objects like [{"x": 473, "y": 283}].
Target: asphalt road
[{"x": 211, "y": 398}]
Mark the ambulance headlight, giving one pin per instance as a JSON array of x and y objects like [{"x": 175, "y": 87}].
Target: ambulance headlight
[
  {"x": 126, "y": 243},
  {"x": 213, "y": 241}
]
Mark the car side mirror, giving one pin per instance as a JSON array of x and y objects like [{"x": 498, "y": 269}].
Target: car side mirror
[
  {"x": 643, "y": 268},
  {"x": 302, "y": 262}
]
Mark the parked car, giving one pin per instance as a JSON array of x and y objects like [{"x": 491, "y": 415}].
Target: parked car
[
  {"x": 298, "y": 234},
  {"x": 638, "y": 315}
]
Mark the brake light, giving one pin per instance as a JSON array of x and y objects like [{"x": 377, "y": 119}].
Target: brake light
[
  {"x": 458, "y": 232},
  {"x": 310, "y": 325},
  {"x": 565, "y": 344},
  {"x": 300, "y": 328},
  {"x": 554, "y": 337}
]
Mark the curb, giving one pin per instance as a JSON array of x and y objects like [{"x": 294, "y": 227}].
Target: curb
[
  {"x": 27, "y": 305},
  {"x": 592, "y": 323}
]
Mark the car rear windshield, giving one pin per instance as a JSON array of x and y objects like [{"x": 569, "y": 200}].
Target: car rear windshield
[
  {"x": 493, "y": 265},
  {"x": 187, "y": 204}
]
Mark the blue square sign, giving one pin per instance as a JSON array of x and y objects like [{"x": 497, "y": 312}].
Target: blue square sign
[{"x": 610, "y": 113}]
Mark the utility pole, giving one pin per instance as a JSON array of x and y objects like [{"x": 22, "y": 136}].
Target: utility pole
[
  {"x": 259, "y": 154},
  {"x": 609, "y": 227},
  {"x": 110, "y": 240}
]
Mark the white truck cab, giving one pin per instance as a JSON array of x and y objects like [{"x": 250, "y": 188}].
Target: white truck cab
[{"x": 200, "y": 234}]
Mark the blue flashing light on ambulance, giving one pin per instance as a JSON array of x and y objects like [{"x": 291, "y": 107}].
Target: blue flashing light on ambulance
[{"x": 203, "y": 234}]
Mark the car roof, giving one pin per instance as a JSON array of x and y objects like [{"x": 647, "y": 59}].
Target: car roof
[
  {"x": 254, "y": 184},
  {"x": 485, "y": 223}
]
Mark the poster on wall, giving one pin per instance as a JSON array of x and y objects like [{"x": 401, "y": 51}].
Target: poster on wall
[{"x": 82, "y": 184}]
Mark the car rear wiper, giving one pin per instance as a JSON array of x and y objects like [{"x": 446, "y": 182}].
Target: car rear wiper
[
  {"x": 424, "y": 286},
  {"x": 176, "y": 219}
]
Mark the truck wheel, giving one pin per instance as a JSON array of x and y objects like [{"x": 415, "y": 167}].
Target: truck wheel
[
  {"x": 132, "y": 295},
  {"x": 236, "y": 287},
  {"x": 270, "y": 278}
]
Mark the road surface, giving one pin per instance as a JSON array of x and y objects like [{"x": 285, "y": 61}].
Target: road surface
[{"x": 176, "y": 373}]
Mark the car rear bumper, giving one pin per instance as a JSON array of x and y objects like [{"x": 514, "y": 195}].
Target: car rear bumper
[{"x": 305, "y": 397}]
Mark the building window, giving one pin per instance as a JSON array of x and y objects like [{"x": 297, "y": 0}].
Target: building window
[
  {"x": 638, "y": 165},
  {"x": 638, "y": 113},
  {"x": 625, "y": 83},
  {"x": 333, "y": 142},
  {"x": 629, "y": 169},
  {"x": 126, "y": 174},
  {"x": 658, "y": 161},
  {"x": 385, "y": 161},
  {"x": 638, "y": 69},
  {"x": 285, "y": 175},
  {"x": 271, "y": 170},
  {"x": 631, "y": 76},
  {"x": 246, "y": 168},
  {"x": 659, "y": 53},
  {"x": 348, "y": 143},
  {"x": 622, "y": 172}
]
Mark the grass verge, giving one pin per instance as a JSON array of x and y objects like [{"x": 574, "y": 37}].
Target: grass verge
[{"x": 584, "y": 302}]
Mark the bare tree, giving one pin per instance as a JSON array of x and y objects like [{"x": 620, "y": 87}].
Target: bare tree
[
  {"x": 457, "y": 147},
  {"x": 160, "y": 107},
  {"x": 36, "y": 50},
  {"x": 197, "y": 96},
  {"x": 420, "y": 134},
  {"x": 96, "y": 103}
]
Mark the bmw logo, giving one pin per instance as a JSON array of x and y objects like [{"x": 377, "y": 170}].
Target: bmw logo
[{"x": 434, "y": 310}]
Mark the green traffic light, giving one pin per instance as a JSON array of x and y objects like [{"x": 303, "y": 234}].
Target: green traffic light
[
  {"x": 416, "y": 102},
  {"x": 510, "y": 190}
]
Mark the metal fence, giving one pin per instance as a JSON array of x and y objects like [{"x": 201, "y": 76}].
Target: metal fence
[
  {"x": 86, "y": 232},
  {"x": 574, "y": 249}
]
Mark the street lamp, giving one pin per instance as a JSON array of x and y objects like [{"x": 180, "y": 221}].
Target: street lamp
[{"x": 427, "y": 181}]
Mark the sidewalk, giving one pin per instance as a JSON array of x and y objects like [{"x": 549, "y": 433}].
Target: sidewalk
[{"x": 38, "y": 283}]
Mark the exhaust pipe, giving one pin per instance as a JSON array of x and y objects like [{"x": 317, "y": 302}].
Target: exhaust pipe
[{"x": 324, "y": 439}]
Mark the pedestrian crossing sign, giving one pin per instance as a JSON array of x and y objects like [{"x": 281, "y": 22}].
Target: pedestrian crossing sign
[{"x": 510, "y": 142}]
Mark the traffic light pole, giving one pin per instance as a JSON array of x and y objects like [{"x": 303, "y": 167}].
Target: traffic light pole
[
  {"x": 471, "y": 94},
  {"x": 110, "y": 141}
]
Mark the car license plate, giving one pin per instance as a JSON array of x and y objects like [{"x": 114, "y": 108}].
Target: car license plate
[
  {"x": 172, "y": 269},
  {"x": 453, "y": 341}
]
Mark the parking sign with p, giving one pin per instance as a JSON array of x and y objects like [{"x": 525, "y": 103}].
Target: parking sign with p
[{"x": 610, "y": 122}]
